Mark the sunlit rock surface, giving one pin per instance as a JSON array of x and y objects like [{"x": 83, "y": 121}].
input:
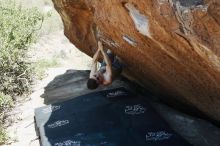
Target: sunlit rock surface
[{"x": 171, "y": 47}]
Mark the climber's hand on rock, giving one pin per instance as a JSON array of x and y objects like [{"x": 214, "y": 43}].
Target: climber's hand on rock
[{"x": 100, "y": 47}]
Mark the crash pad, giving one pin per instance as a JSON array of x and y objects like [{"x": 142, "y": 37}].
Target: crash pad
[{"x": 114, "y": 117}]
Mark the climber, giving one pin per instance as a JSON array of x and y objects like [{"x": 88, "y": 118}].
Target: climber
[{"x": 110, "y": 69}]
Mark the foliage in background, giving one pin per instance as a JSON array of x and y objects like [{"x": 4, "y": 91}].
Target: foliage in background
[
  {"x": 43, "y": 64},
  {"x": 18, "y": 28},
  {"x": 17, "y": 32},
  {"x": 6, "y": 103},
  {"x": 3, "y": 136}
]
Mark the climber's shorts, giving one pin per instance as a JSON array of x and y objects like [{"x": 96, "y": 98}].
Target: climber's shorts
[{"x": 116, "y": 65}]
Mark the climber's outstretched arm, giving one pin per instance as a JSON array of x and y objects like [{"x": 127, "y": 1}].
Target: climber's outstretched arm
[
  {"x": 94, "y": 63},
  {"x": 105, "y": 56},
  {"x": 108, "y": 64}
]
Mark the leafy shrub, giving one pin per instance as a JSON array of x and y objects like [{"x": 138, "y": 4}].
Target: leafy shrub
[
  {"x": 6, "y": 103},
  {"x": 43, "y": 64},
  {"x": 3, "y": 135},
  {"x": 17, "y": 32}
]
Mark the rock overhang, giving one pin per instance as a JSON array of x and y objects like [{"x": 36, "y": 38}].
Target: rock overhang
[{"x": 169, "y": 46}]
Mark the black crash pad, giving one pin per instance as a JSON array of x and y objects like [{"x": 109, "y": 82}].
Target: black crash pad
[{"x": 113, "y": 117}]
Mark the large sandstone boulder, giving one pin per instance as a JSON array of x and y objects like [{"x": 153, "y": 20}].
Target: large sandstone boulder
[{"x": 171, "y": 47}]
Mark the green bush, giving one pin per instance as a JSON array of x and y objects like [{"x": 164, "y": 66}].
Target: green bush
[
  {"x": 3, "y": 135},
  {"x": 18, "y": 28},
  {"x": 43, "y": 64},
  {"x": 17, "y": 32},
  {"x": 6, "y": 103}
]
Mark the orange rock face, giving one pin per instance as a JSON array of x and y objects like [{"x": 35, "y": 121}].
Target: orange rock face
[{"x": 171, "y": 47}]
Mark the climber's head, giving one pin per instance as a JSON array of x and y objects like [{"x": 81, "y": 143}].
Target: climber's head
[{"x": 94, "y": 81}]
